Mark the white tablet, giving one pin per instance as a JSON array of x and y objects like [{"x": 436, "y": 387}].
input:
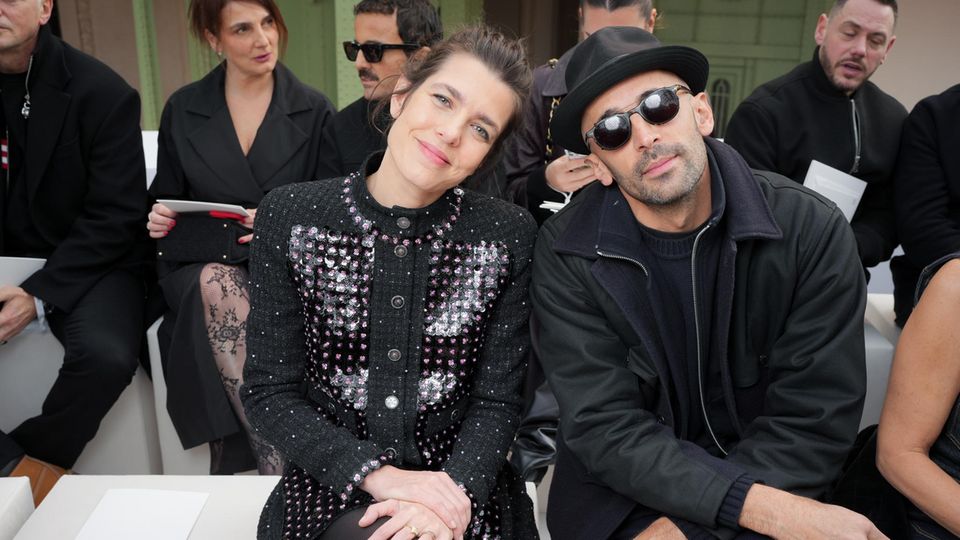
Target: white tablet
[{"x": 184, "y": 207}]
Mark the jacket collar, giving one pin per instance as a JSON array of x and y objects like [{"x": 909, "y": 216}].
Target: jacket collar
[
  {"x": 604, "y": 222},
  {"x": 279, "y": 138},
  {"x": 823, "y": 86}
]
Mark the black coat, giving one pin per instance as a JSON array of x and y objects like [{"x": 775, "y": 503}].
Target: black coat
[
  {"x": 199, "y": 158},
  {"x": 84, "y": 170},
  {"x": 927, "y": 185},
  {"x": 787, "y": 333},
  {"x": 199, "y": 155},
  {"x": 801, "y": 116}
]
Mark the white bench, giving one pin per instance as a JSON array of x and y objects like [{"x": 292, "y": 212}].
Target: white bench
[{"x": 16, "y": 505}]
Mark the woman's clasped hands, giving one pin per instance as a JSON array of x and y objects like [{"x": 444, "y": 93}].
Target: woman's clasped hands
[{"x": 421, "y": 504}]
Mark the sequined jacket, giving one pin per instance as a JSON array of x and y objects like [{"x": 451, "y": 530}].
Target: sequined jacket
[{"x": 387, "y": 336}]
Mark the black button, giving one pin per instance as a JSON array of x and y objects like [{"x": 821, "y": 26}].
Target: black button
[
  {"x": 455, "y": 414},
  {"x": 332, "y": 408},
  {"x": 661, "y": 420},
  {"x": 403, "y": 222},
  {"x": 400, "y": 251},
  {"x": 763, "y": 359},
  {"x": 393, "y": 355},
  {"x": 390, "y": 453},
  {"x": 397, "y": 301}
]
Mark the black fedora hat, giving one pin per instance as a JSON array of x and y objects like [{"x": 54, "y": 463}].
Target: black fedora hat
[{"x": 606, "y": 58}]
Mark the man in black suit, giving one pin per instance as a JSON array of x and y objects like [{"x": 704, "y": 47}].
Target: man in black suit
[{"x": 73, "y": 193}]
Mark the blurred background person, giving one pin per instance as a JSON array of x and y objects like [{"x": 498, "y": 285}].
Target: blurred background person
[{"x": 247, "y": 127}]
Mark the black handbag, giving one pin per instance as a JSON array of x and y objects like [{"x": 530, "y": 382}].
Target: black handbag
[{"x": 203, "y": 238}]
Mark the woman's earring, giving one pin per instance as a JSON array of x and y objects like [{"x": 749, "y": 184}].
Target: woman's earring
[{"x": 219, "y": 54}]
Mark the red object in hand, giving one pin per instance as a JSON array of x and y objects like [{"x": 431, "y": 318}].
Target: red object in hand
[{"x": 227, "y": 215}]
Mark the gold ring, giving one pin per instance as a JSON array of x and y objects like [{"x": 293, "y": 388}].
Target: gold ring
[
  {"x": 432, "y": 534},
  {"x": 414, "y": 531}
]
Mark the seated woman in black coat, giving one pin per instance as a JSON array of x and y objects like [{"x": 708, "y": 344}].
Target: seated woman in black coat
[
  {"x": 918, "y": 443},
  {"x": 244, "y": 129},
  {"x": 389, "y": 320}
]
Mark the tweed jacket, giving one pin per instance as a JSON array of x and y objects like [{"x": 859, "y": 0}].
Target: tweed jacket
[{"x": 386, "y": 336}]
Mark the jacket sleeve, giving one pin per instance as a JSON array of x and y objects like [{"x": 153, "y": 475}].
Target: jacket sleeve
[
  {"x": 329, "y": 164},
  {"x": 272, "y": 393},
  {"x": 170, "y": 181},
  {"x": 493, "y": 414},
  {"x": 753, "y": 133},
  {"x": 926, "y": 215},
  {"x": 527, "y": 148},
  {"x": 816, "y": 368},
  {"x": 875, "y": 224},
  {"x": 114, "y": 210},
  {"x": 605, "y": 419}
]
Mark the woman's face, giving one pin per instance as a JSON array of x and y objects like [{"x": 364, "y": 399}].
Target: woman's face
[
  {"x": 444, "y": 129},
  {"x": 248, "y": 38}
]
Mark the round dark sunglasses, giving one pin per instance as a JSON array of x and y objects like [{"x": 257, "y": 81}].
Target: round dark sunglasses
[
  {"x": 658, "y": 107},
  {"x": 373, "y": 52}
]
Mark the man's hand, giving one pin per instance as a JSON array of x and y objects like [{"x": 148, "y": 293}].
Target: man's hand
[
  {"x": 781, "y": 515},
  {"x": 568, "y": 174},
  {"x": 18, "y": 310},
  {"x": 661, "y": 529}
]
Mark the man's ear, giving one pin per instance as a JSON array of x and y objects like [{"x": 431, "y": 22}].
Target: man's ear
[
  {"x": 821, "y": 32},
  {"x": 46, "y": 11},
  {"x": 399, "y": 96},
  {"x": 703, "y": 113},
  {"x": 600, "y": 168}
]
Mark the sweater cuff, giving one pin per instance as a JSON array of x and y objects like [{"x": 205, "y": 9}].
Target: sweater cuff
[{"x": 732, "y": 505}]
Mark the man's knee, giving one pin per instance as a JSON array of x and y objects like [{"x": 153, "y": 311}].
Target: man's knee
[{"x": 113, "y": 358}]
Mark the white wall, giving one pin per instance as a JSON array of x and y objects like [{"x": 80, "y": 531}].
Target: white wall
[{"x": 925, "y": 59}]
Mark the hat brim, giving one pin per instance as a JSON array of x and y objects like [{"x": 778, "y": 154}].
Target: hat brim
[{"x": 687, "y": 63}]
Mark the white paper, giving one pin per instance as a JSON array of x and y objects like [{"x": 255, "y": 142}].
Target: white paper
[
  {"x": 144, "y": 514},
  {"x": 15, "y": 270},
  {"x": 201, "y": 206},
  {"x": 841, "y": 188}
]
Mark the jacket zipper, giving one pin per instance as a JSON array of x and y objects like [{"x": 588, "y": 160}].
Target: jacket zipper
[
  {"x": 622, "y": 258},
  {"x": 856, "y": 137},
  {"x": 696, "y": 323}
]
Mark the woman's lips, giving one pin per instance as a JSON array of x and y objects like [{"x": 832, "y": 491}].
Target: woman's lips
[{"x": 433, "y": 153}]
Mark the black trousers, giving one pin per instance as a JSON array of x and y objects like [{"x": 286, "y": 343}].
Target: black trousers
[{"x": 101, "y": 339}]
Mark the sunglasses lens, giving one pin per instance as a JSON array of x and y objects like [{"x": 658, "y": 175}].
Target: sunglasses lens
[
  {"x": 661, "y": 106},
  {"x": 372, "y": 52},
  {"x": 350, "y": 49},
  {"x": 612, "y": 132}
]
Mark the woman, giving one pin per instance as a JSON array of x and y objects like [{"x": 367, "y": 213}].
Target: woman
[
  {"x": 388, "y": 320},
  {"x": 244, "y": 129},
  {"x": 918, "y": 443}
]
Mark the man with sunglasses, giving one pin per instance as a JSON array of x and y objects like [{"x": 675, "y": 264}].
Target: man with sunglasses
[
  {"x": 828, "y": 110},
  {"x": 386, "y": 34},
  {"x": 700, "y": 323}
]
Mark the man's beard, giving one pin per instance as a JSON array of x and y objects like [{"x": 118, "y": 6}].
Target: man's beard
[{"x": 673, "y": 188}]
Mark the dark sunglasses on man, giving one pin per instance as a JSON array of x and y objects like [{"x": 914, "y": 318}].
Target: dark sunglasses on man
[
  {"x": 373, "y": 52},
  {"x": 658, "y": 107}
]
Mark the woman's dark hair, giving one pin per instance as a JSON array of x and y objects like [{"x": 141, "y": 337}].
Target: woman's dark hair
[
  {"x": 205, "y": 16},
  {"x": 504, "y": 56}
]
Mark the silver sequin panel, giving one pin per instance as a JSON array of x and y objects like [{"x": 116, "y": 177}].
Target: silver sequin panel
[
  {"x": 336, "y": 270},
  {"x": 475, "y": 281}
]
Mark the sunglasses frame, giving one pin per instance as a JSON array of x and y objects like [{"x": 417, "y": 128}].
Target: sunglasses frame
[
  {"x": 673, "y": 89},
  {"x": 358, "y": 48}
]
